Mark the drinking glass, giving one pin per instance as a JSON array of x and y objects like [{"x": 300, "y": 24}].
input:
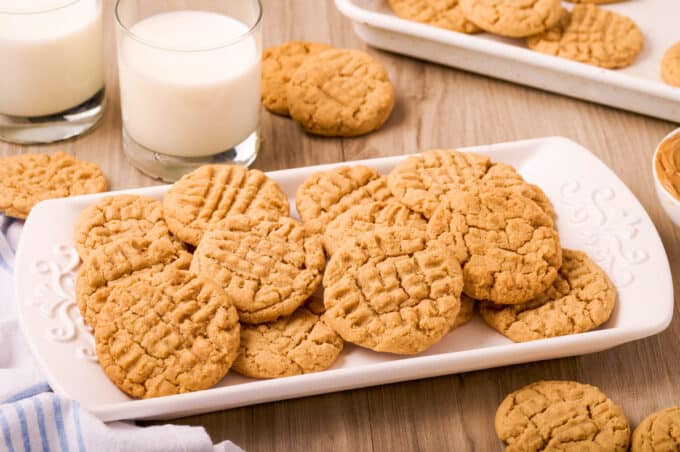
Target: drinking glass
[
  {"x": 52, "y": 78},
  {"x": 190, "y": 83}
]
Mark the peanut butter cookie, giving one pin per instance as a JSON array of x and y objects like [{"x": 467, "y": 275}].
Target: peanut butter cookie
[
  {"x": 439, "y": 13},
  {"x": 161, "y": 330},
  {"x": 324, "y": 196},
  {"x": 392, "y": 290},
  {"x": 581, "y": 299},
  {"x": 27, "y": 179},
  {"x": 299, "y": 344},
  {"x": 209, "y": 194},
  {"x": 561, "y": 415},
  {"x": 424, "y": 181},
  {"x": 513, "y": 18},
  {"x": 278, "y": 66},
  {"x": 367, "y": 217},
  {"x": 658, "y": 432},
  {"x": 670, "y": 65},
  {"x": 269, "y": 267},
  {"x": 591, "y": 35},
  {"x": 116, "y": 217},
  {"x": 508, "y": 248},
  {"x": 340, "y": 92},
  {"x": 119, "y": 263}
]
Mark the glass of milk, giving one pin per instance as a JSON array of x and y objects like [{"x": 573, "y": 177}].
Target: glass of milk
[
  {"x": 189, "y": 82},
  {"x": 52, "y": 77}
]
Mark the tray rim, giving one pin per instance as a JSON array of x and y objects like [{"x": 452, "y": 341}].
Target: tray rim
[
  {"x": 399, "y": 369},
  {"x": 500, "y": 49}
]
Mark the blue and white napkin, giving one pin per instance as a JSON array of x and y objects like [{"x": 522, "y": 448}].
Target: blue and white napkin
[{"x": 33, "y": 418}]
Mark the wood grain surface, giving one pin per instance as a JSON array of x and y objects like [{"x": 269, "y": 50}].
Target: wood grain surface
[{"x": 436, "y": 107}]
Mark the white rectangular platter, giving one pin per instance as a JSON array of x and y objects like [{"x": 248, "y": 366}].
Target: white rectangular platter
[
  {"x": 596, "y": 213},
  {"x": 637, "y": 88}
]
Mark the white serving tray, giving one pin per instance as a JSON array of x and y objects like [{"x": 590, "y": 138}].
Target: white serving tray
[
  {"x": 596, "y": 213},
  {"x": 637, "y": 88}
]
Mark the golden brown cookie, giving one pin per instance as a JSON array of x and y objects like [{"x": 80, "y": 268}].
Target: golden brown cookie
[
  {"x": 211, "y": 193},
  {"x": 508, "y": 248},
  {"x": 514, "y": 18},
  {"x": 580, "y": 299},
  {"x": 658, "y": 432},
  {"x": 279, "y": 63},
  {"x": 27, "y": 179},
  {"x": 670, "y": 65},
  {"x": 116, "y": 217},
  {"x": 392, "y": 290},
  {"x": 340, "y": 92},
  {"x": 161, "y": 329},
  {"x": 561, "y": 415},
  {"x": 591, "y": 35},
  {"x": 367, "y": 217},
  {"x": 424, "y": 181},
  {"x": 294, "y": 345},
  {"x": 132, "y": 257},
  {"x": 269, "y": 267},
  {"x": 439, "y": 13},
  {"x": 323, "y": 196},
  {"x": 467, "y": 310}
]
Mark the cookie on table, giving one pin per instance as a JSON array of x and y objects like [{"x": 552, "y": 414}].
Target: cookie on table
[
  {"x": 268, "y": 266},
  {"x": 561, "y": 415},
  {"x": 160, "y": 329},
  {"x": 294, "y": 345},
  {"x": 508, "y": 248},
  {"x": 211, "y": 193},
  {"x": 116, "y": 217},
  {"x": 367, "y": 217},
  {"x": 340, "y": 92},
  {"x": 27, "y": 179},
  {"x": 580, "y": 299},
  {"x": 424, "y": 181},
  {"x": 325, "y": 195},
  {"x": 512, "y": 18},
  {"x": 658, "y": 432},
  {"x": 592, "y": 35},
  {"x": 439, "y": 13},
  {"x": 392, "y": 290},
  {"x": 670, "y": 65},
  {"x": 279, "y": 63}
]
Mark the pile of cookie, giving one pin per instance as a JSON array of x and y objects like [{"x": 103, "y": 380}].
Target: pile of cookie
[
  {"x": 567, "y": 415},
  {"x": 218, "y": 276},
  {"x": 328, "y": 91},
  {"x": 587, "y": 33}
]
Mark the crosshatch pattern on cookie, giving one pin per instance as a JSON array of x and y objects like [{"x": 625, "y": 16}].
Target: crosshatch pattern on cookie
[
  {"x": 211, "y": 193},
  {"x": 508, "y": 248},
  {"x": 268, "y": 267},
  {"x": 392, "y": 290}
]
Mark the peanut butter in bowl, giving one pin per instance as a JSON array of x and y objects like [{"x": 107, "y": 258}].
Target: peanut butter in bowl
[{"x": 666, "y": 168}]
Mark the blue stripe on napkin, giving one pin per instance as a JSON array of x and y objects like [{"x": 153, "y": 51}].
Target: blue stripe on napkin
[
  {"x": 41, "y": 424},
  {"x": 5, "y": 431},
  {"x": 24, "y": 427}
]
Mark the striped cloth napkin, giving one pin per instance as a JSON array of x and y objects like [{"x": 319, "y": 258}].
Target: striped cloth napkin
[{"x": 33, "y": 418}]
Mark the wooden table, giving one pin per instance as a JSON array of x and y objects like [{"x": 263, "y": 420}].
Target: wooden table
[{"x": 436, "y": 107}]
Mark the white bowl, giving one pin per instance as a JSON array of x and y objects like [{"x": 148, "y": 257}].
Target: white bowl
[{"x": 670, "y": 204}]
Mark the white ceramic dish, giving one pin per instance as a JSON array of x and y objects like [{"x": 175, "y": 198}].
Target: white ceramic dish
[
  {"x": 597, "y": 214},
  {"x": 668, "y": 202},
  {"x": 636, "y": 88}
]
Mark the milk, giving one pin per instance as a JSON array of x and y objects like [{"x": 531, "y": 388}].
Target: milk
[
  {"x": 51, "y": 61},
  {"x": 180, "y": 101}
]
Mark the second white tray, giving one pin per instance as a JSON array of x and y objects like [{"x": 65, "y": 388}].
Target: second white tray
[{"x": 637, "y": 88}]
